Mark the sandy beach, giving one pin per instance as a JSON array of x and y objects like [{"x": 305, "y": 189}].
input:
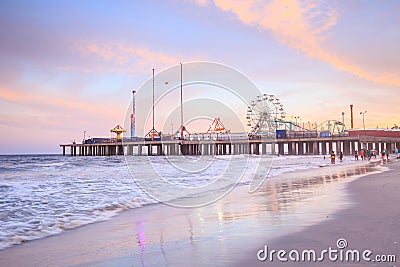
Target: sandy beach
[
  {"x": 307, "y": 209},
  {"x": 371, "y": 224}
]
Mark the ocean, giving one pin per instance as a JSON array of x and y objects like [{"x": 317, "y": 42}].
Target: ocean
[{"x": 44, "y": 195}]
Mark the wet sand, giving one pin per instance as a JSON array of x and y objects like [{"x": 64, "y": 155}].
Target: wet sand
[
  {"x": 373, "y": 223},
  {"x": 286, "y": 212}
]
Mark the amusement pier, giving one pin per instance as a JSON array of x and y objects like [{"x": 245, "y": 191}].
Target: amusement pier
[
  {"x": 271, "y": 133},
  {"x": 225, "y": 146}
]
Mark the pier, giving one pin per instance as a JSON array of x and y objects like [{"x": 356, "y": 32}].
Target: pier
[
  {"x": 223, "y": 146},
  {"x": 271, "y": 133}
]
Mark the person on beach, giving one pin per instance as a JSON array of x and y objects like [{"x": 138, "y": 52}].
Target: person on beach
[
  {"x": 333, "y": 157},
  {"x": 387, "y": 154},
  {"x": 383, "y": 154},
  {"x": 356, "y": 155},
  {"x": 369, "y": 154},
  {"x": 341, "y": 156},
  {"x": 397, "y": 153},
  {"x": 362, "y": 153}
]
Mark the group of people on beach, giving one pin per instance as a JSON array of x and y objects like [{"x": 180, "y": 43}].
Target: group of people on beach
[
  {"x": 368, "y": 154},
  {"x": 364, "y": 154},
  {"x": 333, "y": 156}
]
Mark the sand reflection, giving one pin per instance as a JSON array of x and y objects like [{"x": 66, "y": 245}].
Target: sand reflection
[{"x": 280, "y": 205}]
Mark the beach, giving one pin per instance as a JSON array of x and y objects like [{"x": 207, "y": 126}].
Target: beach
[
  {"x": 304, "y": 209},
  {"x": 372, "y": 223}
]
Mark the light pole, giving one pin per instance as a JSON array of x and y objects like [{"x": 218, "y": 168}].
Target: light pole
[
  {"x": 297, "y": 117},
  {"x": 342, "y": 121},
  {"x": 277, "y": 103},
  {"x": 363, "y": 114},
  {"x": 84, "y": 136},
  {"x": 172, "y": 128}
]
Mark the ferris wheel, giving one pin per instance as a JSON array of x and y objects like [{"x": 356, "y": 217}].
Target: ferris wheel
[{"x": 264, "y": 115}]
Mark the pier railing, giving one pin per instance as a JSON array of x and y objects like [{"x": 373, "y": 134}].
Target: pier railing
[
  {"x": 221, "y": 144},
  {"x": 241, "y": 136}
]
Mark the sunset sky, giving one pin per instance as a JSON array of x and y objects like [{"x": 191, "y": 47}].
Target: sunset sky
[{"x": 70, "y": 66}]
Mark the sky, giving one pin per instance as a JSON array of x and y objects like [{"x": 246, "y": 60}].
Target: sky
[{"x": 70, "y": 66}]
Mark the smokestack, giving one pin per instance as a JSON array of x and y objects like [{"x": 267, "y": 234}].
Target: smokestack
[{"x": 351, "y": 114}]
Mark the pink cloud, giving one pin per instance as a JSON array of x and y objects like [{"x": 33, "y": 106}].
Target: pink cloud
[
  {"x": 51, "y": 112},
  {"x": 50, "y": 99},
  {"x": 300, "y": 25},
  {"x": 202, "y": 2},
  {"x": 128, "y": 58}
]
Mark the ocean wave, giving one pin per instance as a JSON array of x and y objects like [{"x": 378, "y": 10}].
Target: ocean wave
[{"x": 53, "y": 193}]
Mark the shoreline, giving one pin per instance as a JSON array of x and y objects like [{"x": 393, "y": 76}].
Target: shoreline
[
  {"x": 372, "y": 223},
  {"x": 162, "y": 234},
  {"x": 117, "y": 208}
]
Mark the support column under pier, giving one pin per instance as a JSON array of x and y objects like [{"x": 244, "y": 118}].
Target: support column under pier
[
  {"x": 129, "y": 150},
  {"x": 382, "y": 147},
  {"x": 346, "y": 148},
  {"x": 281, "y": 148},
  {"x": 323, "y": 146},
  {"x": 389, "y": 147},
  {"x": 256, "y": 149},
  {"x": 359, "y": 146},
  {"x": 369, "y": 146},
  {"x": 338, "y": 147},
  {"x": 290, "y": 148},
  {"x": 203, "y": 149},
  {"x": 223, "y": 149},
  {"x": 263, "y": 148},
  {"x": 309, "y": 147},
  {"x": 330, "y": 144},
  {"x": 183, "y": 149},
  {"x": 159, "y": 150},
  {"x": 315, "y": 148},
  {"x": 300, "y": 148}
]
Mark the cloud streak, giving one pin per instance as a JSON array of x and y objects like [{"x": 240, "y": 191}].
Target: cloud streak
[
  {"x": 300, "y": 25},
  {"x": 127, "y": 58}
]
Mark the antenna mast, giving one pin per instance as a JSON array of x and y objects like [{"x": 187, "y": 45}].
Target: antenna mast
[
  {"x": 182, "y": 127},
  {"x": 153, "y": 99},
  {"x": 133, "y": 115},
  {"x": 153, "y": 132}
]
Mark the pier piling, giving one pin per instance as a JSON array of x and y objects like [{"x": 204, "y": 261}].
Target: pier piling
[{"x": 295, "y": 146}]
